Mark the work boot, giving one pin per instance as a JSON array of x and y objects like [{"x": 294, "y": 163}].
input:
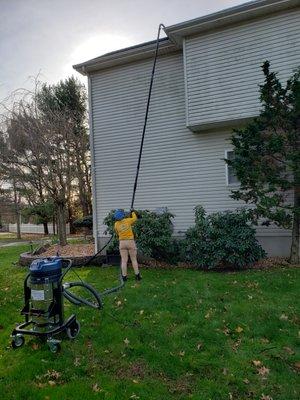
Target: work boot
[
  {"x": 124, "y": 277},
  {"x": 138, "y": 277}
]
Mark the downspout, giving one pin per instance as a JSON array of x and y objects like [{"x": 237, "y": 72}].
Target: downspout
[{"x": 91, "y": 139}]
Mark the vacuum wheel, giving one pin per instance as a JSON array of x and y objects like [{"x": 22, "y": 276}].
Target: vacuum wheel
[
  {"x": 73, "y": 330},
  {"x": 54, "y": 347},
  {"x": 17, "y": 341}
]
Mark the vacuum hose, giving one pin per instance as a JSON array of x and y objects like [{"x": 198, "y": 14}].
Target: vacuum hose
[{"x": 77, "y": 300}]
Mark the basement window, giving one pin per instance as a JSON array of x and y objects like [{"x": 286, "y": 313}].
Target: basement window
[{"x": 231, "y": 178}]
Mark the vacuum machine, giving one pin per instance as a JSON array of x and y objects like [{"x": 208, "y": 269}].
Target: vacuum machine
[{"x": 45, "y": 291}]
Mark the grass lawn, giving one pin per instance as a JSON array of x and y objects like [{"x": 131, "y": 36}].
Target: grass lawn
[
  {"x": 7, "y": 236},
  {"x": 191, "y": 335}
]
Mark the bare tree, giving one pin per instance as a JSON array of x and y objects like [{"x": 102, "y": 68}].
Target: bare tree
[{"x": 36, "y": 146}]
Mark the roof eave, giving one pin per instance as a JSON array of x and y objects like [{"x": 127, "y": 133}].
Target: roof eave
[
  {"x": 230, "y": 16},
  {"x": 125, "y": 56},
  {"x": 176, "y": 33}
]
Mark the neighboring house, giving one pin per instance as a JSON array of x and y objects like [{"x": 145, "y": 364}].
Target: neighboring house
[{"x": 206, "y": 83}]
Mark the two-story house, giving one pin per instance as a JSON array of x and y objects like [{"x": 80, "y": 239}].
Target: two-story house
[{"x": 207, "y": 82}]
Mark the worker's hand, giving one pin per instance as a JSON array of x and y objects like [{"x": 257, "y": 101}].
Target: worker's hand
[{"x": 132, "y": 210}]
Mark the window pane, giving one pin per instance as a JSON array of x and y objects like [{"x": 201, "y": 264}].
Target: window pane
[{"x": 232, "y": 178}]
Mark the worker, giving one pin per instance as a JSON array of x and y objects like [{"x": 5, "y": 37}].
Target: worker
[{"x": 127, "y": 246}]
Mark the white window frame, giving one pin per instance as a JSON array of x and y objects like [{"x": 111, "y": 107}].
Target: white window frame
[{"x": 226, "y": 169}]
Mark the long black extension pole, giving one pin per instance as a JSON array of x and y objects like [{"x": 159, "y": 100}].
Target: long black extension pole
[
  {"x": 141, "y": 146},
  {"x": 146, "y": 116}
]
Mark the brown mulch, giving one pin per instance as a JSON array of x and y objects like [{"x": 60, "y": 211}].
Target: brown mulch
[
  {"x": 271, "y": 262},
  {"x": 70, "y": 250},
  {"x": 267, "y": 263}
]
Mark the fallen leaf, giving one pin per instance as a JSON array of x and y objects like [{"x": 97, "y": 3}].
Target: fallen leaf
[
  {"x": 283, "y": 317},
  {"x": 52, "y": 375},
  {"x": 289, "y": 350},
  {"x": 236, "y": 345},
  {"x": 119, "y": 303},
  {"x": 263, "y": 371},
  {"x": 226, "y": 331},
  {"x": 199, "y": 346},
  {"x": 35, "y": 346},
  {"x": 135, "y": 381},
  {"x": 52, "y": 383},
  {"x": 182, "y": 353},
  {"x": 246, "y": 381},
  {"x": 96, "y": 388},
  {"x": 141, "y": 312},
  {"x": 239, "y": 329},
  {"x": 297, "y": 365},
  {"x": 208, "y": 314},
  {"x": 256, "y": 363},
  {"x": 40, "y": 385},
  {"x": 265, "y": 340},
  {"x": 77, "y": 362},
  {"x": 126, "y": 341}
]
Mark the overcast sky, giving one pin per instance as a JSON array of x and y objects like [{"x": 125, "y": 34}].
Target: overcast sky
[{"x": 49, "y": 36}]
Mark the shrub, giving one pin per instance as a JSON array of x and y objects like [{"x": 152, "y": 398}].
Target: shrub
[
  {"x": 222, "y": 239},
  {"x": 85, "y": 222},
  {"x": 153, "y": 234}
]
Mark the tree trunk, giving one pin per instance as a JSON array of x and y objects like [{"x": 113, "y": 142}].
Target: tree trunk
[
  {"x": 53, "y": 224},
  {"x": 18, "y": 225},
  {"x": 46, "y": 230},
  {"x": 295, "y": 248},
  {"x": 61, "y": 224},
  {"x": 71, "y": 219},
  {"x": 17, "y": 211}
]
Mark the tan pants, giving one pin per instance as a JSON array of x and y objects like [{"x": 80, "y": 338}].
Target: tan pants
[{"x": 128, "y": 247}]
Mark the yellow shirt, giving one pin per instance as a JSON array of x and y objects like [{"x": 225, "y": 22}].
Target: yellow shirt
[{"x": 123, "y": 227}]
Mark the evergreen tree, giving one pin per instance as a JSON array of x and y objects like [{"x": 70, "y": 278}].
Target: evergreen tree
[{"x": 267, "y": 157}]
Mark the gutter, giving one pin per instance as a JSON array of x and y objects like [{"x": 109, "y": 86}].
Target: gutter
[
  {"x": 229, "y": 16},
  {"x": 176, "y": 33},
  {"x": 127, "y": 55}
]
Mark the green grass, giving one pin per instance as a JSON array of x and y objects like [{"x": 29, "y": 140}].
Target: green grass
[
  {"x": 8, "y": 236},
  {"x": 190, "y": 335}
]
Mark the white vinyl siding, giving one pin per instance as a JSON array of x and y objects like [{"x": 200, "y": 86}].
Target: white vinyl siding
[
  {"x": 179, "y": 169},
  {"x": 223, "y": 68}
]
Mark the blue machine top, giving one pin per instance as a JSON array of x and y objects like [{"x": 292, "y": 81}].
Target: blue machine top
[{"x": 46, "y": 266}]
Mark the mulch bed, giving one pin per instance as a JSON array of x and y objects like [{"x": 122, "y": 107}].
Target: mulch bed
[
  {"x": 85, "y": 250},
  {"x": 75, "y": 250},
  {"x": 267, "y": 263}
]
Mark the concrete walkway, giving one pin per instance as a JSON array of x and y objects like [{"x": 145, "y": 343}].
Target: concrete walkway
[{"x": 9, "y": 244}]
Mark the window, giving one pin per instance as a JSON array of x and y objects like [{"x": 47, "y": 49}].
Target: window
[{"x": 231, "y": 178}]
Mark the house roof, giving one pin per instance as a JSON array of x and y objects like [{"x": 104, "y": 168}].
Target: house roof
[
  {"x": 123, "y": 56},
  {"x": 229, "y": 16},
  {"x": 177, "y": 32}
]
